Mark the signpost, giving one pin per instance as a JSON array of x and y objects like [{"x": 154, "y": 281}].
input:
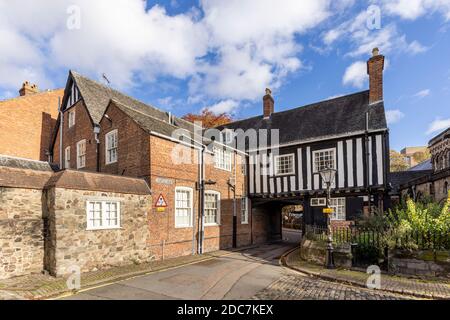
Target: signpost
[{"x": 161, "y": 203}]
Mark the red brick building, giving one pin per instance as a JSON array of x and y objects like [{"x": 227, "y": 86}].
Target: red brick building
[
  {"x": 103, "y": 130},
  {"x": 27, "y": 122}
]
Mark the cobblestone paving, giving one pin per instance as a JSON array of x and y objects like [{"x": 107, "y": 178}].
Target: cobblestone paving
[{"x": 296, "y": 287}]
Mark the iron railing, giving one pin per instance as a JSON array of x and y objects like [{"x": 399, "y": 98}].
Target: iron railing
[{"x": 369, "y": 237}]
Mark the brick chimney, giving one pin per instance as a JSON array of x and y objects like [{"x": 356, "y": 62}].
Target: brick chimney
[
  {"x": 28, "y": 88},
  {"x": 268, "y": 104},
  {"x": 375, "y": 67}
]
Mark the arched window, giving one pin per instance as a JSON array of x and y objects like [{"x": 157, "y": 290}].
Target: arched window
[{"x": 445, "y": 187}]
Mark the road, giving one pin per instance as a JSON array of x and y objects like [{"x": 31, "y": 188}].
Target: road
[{"x": 253, "y": 273}]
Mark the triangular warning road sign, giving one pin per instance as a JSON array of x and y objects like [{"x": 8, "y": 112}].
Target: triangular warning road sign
[{"x": 161, "y": 202}]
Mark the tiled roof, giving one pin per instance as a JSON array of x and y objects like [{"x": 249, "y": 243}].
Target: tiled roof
[
  {"x": 20, "y": 163},
  {"x": 147, "y": 122},
  {"x": 425, "y": 165},
  {"x": 80, "y": 180},
  {"x": 339, "y": 116},
  {"x": 97, "y": 97},
  {"x": 396, "y": 179}
]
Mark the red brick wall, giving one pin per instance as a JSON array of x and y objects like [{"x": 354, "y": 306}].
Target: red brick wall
[
  {"x": 165, "y": 177},
  {"x": 133, "y": 146},
  {"x": 26, "y": 124},
  {"x": 375, "y": 67},
  {"x": 82, "y": 129}
]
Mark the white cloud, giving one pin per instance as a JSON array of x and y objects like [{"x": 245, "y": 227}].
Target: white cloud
[
  {"x": 225, "y": 49},
  {"x": 394, "y": 116},
  {"x": 356, "y": 74},
  {"x": 363, "y": 39},
  {"x": 226, "y": 106},
  {"x": 422, "y": 93},
  {"x": 438, "y": 125},
  {"x": 413, "y": 9},
  {"x": 415, "y": 47}
]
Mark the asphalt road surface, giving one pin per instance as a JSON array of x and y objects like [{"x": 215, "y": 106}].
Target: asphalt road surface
[{"x": 251, "y": 274}]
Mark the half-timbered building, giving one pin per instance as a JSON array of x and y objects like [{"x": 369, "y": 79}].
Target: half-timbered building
[{"x": 348, "y": 133}]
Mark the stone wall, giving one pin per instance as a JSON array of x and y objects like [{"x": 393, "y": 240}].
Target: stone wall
[
  {"x": 70, "y": 244},
  {"x": 315, "y": 251},
  {"x": 21, "y": 232},
  {"x": 420, "y": 263}
]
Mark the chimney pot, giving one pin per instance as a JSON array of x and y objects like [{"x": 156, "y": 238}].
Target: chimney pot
[
  {"x": 268, "y": 104},
  {"x": 375, "y": 52},
  {"x": 375, "y": 67},
  {"x": 28, "y": 88}
]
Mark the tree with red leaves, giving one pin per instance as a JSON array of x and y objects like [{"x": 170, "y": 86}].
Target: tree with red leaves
[{"x": 209, "y": 119}]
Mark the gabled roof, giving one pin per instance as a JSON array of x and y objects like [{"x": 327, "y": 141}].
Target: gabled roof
[
  {"x": 97, "y": 97},
  {"x": 339, "y": 116}
]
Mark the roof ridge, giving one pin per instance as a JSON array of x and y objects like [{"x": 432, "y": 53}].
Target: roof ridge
[
  {"x": 128, "y": 96},
  {"x": 314, "y": 104},
  {"x": 144, "y": 114},
  {"x": 299, "y": 107},
  {"x": 31, "y": 95}
]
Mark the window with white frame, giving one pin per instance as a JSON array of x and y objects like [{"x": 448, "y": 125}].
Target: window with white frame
[
  {"x": 284, "y": 164},
  {"x": 67, "y": 158},
  {"x": 324, "y": 159},
  {"x": 71, "y": 118},
  {"x": 222, "y": 159},
  {"x": 103, "y": 214},
  {"x": 212, "y": 208},
  {"x": 338, "y": 204},
  {"x": 244, "y": 210},
  {"x": 81, "y": 154},
  {"x": 183, "y": 207},
  {"x": 318, "y": 202},
  {"x": 111, "y": 145}
]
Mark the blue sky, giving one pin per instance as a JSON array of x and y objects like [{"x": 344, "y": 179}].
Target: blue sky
[{"x": 184, "y": 56}]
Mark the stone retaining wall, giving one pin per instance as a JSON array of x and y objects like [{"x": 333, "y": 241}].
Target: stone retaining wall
[
  {"x": 420, "y": 263},
  {"x": 315, "y": 251},
  {"x": 21, "y": 232}
]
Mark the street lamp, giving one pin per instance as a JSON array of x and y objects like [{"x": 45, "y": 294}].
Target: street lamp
[{"x": 328, "y": 175}]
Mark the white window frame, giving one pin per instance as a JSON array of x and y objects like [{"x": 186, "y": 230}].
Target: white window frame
[
  {"x": 315, "y": 169},
  {"x": 104, "y": 219},
  {"x": 191, "y": 208},
  {"x": 318, "y": 202},
  {"x": 217, "y": 222},
  {"x": 220, "y": 159},
  {"x": 67, "y": 158},
  {"x": 109, "y": 149},
  {"x": 81, "y": 164},
  {"x": 338, "y": 214},
  {"x": 244, "y": 210},
  {"x": 71, "y": 118},
  {"x": 277, "y": 158}
]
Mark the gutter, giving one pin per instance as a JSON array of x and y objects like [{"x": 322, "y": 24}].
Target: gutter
[
  {"x": 61, "y": 123},
  {"x": 308, "y": 141}
]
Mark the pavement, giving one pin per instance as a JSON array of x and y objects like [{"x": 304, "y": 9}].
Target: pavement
[
  {"x": 418, "y": 288},
  {"x": 251, "y": 273}
]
